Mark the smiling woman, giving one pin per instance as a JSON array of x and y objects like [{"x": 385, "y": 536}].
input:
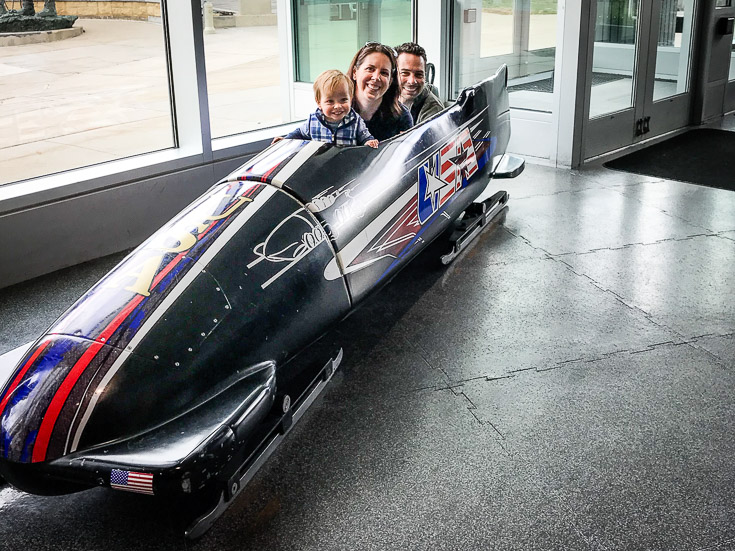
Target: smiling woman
[{"x": 374, "y": 73}]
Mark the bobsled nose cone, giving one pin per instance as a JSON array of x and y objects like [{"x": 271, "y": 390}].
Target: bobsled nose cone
[{"x": 41, "y": 403}]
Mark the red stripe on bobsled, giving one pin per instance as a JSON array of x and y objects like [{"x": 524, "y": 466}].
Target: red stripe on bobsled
[
  {"x": 170, "y": 266},
  {"x": 43, "y": 439},
  {"x": 52, "y": 413},
  {"x": 22, "y": 372}
]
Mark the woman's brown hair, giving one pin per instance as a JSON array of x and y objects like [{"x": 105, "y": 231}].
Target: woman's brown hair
[{"x": 390, "y": 106}]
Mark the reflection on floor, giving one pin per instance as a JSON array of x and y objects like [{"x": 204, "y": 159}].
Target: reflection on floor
[{"x": 565, "y": 384}]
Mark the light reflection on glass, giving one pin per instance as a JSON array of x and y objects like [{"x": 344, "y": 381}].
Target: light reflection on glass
[
  {"x": 673, "y": 53},
  {"x": 519, "y": 35},
  {"x": 613, "y": 61}
]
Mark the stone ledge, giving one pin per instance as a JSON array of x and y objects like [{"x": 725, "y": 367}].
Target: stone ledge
[
  {"x": 264, "y": 20},
  {"x": 36, "y": 37},
  {"x": 107, "y": 9},
  {"x": 227, "y": 21},
  {"x": 223, "y": 21},
  {"x": 145, "y": 10}
]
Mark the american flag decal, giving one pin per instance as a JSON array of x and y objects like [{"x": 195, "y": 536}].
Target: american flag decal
[
  {"x": 444, "y": 173},
  {"x": 131, "y": 481}
]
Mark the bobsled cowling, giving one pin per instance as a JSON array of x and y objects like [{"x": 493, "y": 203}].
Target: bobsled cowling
[
  {"x": 173, "y": 360},
  {"x": 386, "y": 204},
  {"x": 204, "y": 308}
]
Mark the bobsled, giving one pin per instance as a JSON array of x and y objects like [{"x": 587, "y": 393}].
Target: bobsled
[{"x": 178, "y": 373}]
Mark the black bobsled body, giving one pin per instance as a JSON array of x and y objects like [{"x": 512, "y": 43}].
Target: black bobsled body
[
  {"x": 157, "y": 378},
  {"x": 177, "y": 343}
]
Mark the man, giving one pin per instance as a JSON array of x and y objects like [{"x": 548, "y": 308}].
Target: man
[{"x": 412, "y": 79}]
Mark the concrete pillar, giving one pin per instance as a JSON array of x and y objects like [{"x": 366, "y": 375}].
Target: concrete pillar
[{"x": 208, "y": 17}]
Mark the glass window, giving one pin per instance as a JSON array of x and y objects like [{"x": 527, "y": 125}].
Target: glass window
[
  {"x": 243, "y": 67},
  {"x": 673, "y": 55},
  {"x": 518, "y": 33},
  {"x": 96, "y": 97},
  {"x": 329, "y": 32},
  {"x": 613, "y": 61}
]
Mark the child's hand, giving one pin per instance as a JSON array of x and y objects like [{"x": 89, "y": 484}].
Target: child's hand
[
  {"x": 276, "y": 139},
  {"x": 372, "y": 143}
]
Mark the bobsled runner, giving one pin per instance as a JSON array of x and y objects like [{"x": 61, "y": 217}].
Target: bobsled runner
[{"x": 179, "y": 372}]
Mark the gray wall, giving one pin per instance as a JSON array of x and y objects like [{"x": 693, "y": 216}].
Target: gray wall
[{"x": 47, "y": 237}]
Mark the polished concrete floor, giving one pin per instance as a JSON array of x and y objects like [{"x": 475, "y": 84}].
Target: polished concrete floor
[{"x": 567, "y": 384}]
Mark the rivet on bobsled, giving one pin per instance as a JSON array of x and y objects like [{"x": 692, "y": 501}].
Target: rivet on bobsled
[{"x": 179, "y": 372}]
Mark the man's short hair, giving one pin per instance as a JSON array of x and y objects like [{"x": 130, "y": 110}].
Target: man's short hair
[
  {"x": 329, "y": 81},
  {"x": 411, "y": 48}
]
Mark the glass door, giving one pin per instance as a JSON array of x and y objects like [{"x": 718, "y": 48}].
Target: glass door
[
  {"x": 670, "y": 83},
  {"x": 521, "y": 34},
  {"x": 638, "y": 77},
  {"x": 614, "y": 76}
]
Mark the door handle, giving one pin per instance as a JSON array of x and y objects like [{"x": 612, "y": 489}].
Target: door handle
[
  {"x": 639, "y": 127},
  {"x": 633, "y": 9},
  {"x": 646, "y": 125}
]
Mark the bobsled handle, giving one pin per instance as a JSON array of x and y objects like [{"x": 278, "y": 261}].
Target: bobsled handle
[
  {"x": 509, "y": 166},
  {"x": 465, "y": 96}
]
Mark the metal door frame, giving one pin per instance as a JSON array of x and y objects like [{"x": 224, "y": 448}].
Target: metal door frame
[{"x": 729, "y": 102}]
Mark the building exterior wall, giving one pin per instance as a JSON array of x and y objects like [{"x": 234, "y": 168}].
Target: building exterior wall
[{"x": 106, "y": 9}]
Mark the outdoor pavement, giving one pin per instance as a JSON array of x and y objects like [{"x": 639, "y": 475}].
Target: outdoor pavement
[
  {"x": 104, "y": 95},
  {"x": 566, "y": 384}
]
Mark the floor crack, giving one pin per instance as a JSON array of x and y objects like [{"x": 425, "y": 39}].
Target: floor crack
[
  {"x": 630, "y": 245},
  {"x": 719, "y": 361},
  {"x": 473, "y": 410}
]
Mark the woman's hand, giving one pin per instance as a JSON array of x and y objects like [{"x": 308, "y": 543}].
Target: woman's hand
[
  {"x": 276, "y": 139},
  {"x": 372, "y": 143}
]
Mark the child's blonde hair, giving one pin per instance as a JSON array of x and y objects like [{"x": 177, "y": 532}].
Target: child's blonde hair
[{"x": 329, "y": 81}]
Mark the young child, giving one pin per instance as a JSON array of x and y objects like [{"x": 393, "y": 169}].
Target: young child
[{"x": 334, "y": 121}]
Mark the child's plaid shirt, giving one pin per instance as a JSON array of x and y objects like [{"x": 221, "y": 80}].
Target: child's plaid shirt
[{"x": 351, "y": 130}]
